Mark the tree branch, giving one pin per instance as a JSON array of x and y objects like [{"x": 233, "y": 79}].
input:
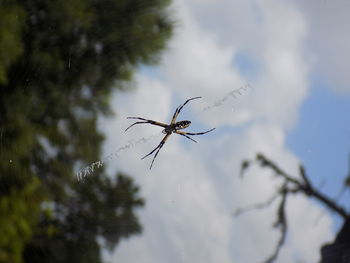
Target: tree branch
[
  {"x": 304, "y": 187},
  {"x": 262, "y": 205},
  {"x": 282, "y": 223},
  {"x": 290, "y": 185}
]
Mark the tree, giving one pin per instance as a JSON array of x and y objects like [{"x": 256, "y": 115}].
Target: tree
[
  {"x": 339, "y": 251},
  {"x": 60, "y": 61}
]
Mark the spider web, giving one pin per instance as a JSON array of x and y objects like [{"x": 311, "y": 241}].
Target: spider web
[{"x": 89, "y": 169}]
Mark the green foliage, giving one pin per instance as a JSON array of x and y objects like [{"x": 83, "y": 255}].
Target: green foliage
[
  {"x": 11, "y": 24},
  {"x": 21, "y": 208},
  {"x": 59, "y": 63},
  {"x": 102, "y": 209}
]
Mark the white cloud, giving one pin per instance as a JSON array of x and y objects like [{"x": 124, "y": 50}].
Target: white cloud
[
  {"x": 191, "y": 197},
  {"x": 193, "y": 189},
  {"x": 201, "y": 61},
  {"x": 255, "y": 228},
  {"x": 328, "y": 41},
  {"x": 305, "y": 235}
]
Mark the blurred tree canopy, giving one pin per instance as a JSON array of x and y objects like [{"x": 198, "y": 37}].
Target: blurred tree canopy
[{"x": 59, "y": 63}]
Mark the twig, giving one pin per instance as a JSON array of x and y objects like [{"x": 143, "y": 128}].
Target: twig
[
  {"x": 262, "y": 205},
  {"x": 282, "y": 223},
  {"x": 304, "y": 187},
  {"x": 290, "y": 185}
]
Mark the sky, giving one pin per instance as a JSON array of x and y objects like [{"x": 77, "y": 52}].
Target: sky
[{"x": 288, "y": 59}]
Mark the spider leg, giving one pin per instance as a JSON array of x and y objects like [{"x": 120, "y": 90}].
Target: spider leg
[
  {"x": 146, "y": 121},
  {"x": 178, "y": 109},
  {"x": 160, "y": 145},
  {"x": 181, "y": 133},
  {"x": 197, "y": 133},
  {"x": 138, "y": 122}
]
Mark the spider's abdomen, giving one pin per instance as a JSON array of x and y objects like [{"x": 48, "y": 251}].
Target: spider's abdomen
[{"x": 182, "y": 125}]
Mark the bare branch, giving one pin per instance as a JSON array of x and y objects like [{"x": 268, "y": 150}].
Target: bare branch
[
  {"x": 262, "y": 205},
  {"x": 303, "y": 175},
  {"x": 264, "y": 162},
  {"x": 304, "y": 187},
  {"x": 282, "y": 224},
  {"x": 290, "y": 185},
  {"x": 244, "y": 166}
]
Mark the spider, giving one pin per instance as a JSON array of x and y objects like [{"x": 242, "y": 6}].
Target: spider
[{"x": 173, "y": 127}]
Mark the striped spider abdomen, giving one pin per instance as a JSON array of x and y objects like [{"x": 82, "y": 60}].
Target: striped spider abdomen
[
  {"x": 182, "y": 125},
  {"x": 173, "y": 127},
  {"x": 176, "y": 126}
]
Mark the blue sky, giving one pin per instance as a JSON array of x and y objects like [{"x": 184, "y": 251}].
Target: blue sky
[
  {"x": 295, "y": 113},
  {"x": 321, "y": 137},
  {"x": 322, "y": 140},
  {"x": 246, "y": 65}
]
